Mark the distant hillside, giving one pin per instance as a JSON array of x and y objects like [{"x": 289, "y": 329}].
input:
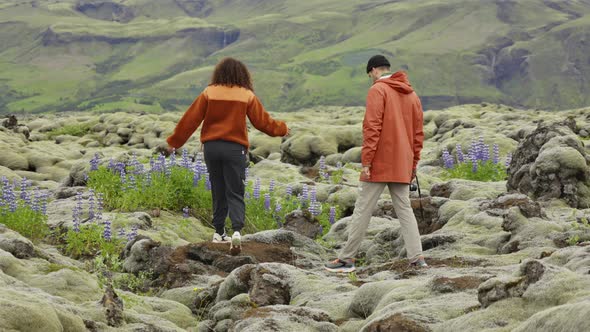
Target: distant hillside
[{"x": 154, "y": 55}]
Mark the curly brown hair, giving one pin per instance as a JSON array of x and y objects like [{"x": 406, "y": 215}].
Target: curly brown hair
[{"x": 232, "y": 72}]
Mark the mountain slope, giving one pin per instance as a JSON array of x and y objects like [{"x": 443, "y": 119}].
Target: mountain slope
[{"x": 151, "y": 55}]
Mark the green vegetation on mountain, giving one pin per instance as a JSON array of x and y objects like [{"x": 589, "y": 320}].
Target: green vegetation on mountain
[{"x": 155, "y": 55}]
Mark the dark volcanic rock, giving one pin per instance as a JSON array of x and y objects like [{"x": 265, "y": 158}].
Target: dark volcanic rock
[
  {"x": 302, "y": 223},
  {"x": 497, "y": 289},
  {"x": 552, "y": 163}
]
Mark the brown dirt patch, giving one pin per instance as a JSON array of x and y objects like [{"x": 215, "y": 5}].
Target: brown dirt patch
[
  {"x": 257, "y": 313},
  {"x": 402, "y": 266},
  {"x": 397, "y": 322},
  {"x": 261, "y": 252},
  {"x": 445, "y": 284}
]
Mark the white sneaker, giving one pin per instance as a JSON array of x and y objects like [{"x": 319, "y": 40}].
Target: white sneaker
[
  {"x": 236, "y": 240},
  {"x": 221, "y": 238}
]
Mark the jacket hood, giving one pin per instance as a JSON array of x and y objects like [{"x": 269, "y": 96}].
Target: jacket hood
[{"x": 398, "y": 81}]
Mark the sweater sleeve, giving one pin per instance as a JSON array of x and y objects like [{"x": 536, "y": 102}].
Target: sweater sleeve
[
  {"x": 190, "y": 121},
  {"x": 418, "y": 132},
  {"x": 262, "y": 121},
  {"x": 372, "y": 125}
]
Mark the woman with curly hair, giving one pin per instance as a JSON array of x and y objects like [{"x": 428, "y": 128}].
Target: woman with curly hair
[{"x": 223, "y": 108}]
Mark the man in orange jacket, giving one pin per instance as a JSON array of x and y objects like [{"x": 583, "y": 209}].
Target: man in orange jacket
[{"x": 392, "y": 140}]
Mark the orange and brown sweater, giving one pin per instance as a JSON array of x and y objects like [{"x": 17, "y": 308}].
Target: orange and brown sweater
[{"x": 223, "y": 111}]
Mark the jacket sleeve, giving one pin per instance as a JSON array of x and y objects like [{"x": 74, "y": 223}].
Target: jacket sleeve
[
  {"x": 372, "y": 125},
  {"x": 262, "y": 121},
  {"x": 418, "y": 132},
  {"x": 190, "y": 121}
]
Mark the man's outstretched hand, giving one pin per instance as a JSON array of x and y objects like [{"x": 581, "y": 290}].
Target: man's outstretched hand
[
  {"x": 413, "y": 174},
  {"x": 164, "y": 149}
]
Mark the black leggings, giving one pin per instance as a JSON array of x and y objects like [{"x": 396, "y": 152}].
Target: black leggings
[{"x": 226, "y": 163}]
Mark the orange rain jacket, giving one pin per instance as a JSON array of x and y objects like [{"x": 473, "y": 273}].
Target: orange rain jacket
[
  {"x": 223, "y": 111},
  {"x": 392, "y": 130}
]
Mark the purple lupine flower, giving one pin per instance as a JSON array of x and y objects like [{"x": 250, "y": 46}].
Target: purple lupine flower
[
  {"x": 321, "y": 229},
  {"x": 289, "y": 190},
  {"x": 132, "y": 182},
  {"x": 196, "y": 177},
  {"x": 185, "y": 161},
  {"x": 23, "y": 188},
  {"x": 99, "y": 206},
  {"x": 332, "y": 217},
  {"x": 167, "y": 171},
  {"x": 305, "y": 193},
  {"x": 278, "y": 207},
  {"x": 323, "y": 169},
  {"x": 508, "y": 160},
  {"x": 161, "y": 162},
  {"x": 172, "y": 158},
  {"x": 136, "y": 165},
  {"x": 131, "y": 235},
  {"x": 474, "y": 165},
  {"x": 111, "y": 165},
  {"x": 315, "y": 208},
  {"x": 302, "y": 200},
  {"x": 77, "y": 212},
  {"x": 9, "y": 196},
  {"x": 122, "y": 234},
  {"x": 6, "y": 190},
  {"x": 474, "y": 152},
  {"x": 107, "y": 230},
  {"x": 155, "y": 165},
  {"x": 94, "y": 162},
  {"x": 313, "y": 195},
  {"x": 256, "y": 191},
  {"x": 448, "y": 159},
  {"x": 36, "y": 205},
  {"x": 123, "y": 178},
  {"x": 460, "y": 155},
  {"x": 12, "y": 204},
  {"x": 207, "y": 182},
  {"x": 147, "y": 181},
  {"x": 267, "y": 202},
  {"x": 203, "y": 168},
  {"x": 482, "y": 146},
  {"x": 27, "y": 200},
  {"x": 76, "y": 219},
  {"x": 271, "y": 187},
  {"x": 197, "y": 170},
  {"x": 247, "y": 195},
  {"x": 185, "y": 212},
  {"x": 91, "y": 206},
  {"x": 120, "y": 168},
  {"x": 44, "y": 198},
  {"x": 485, "y": 155},
  {"x": 496, "y": 155}
]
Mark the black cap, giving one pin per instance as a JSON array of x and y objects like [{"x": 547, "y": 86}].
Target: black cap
[{"x": 377, "y": 61}]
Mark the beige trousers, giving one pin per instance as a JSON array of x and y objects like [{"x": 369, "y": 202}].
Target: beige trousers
[{"x": 363, "y": 210}]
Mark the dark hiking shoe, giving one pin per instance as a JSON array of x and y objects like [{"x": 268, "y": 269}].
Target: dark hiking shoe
[
  {"x": 419, "y": 263},
  {"x": 221, "y": 238},
  {"x": 339, "y": 265}
]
